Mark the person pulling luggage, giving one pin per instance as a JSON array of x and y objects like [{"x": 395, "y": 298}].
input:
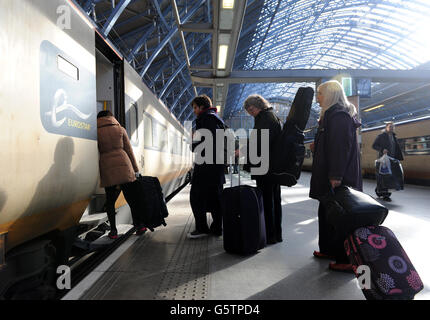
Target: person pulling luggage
[
  {"x": 208, "y": 177},
  {"x": 336, "y": 162},
  {"x": 118, "y": 169},
  {"x": 386, "y": 143}
]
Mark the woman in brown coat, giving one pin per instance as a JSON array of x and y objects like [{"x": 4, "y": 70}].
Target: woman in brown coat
[{"x": 118, "y": 169}]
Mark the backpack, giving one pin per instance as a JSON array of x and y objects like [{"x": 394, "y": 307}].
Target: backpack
[{"x": 288, "y": 151}]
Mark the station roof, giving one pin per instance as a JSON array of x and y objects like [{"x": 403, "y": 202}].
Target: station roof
[{"x": 175, "y": 44}]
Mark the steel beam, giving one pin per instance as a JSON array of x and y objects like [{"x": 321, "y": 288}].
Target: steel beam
[
  {"x": 180, "y": 96},
  {"x": 312, "y": 75},
  {"x": 181, "y": 35},
  {"x": 187, "y": 104},
  {"x": 168, "y": 37},
  {"x": 197, "y": 27},
  {"x": 166, "y": 26},
  {"x": 116, "y": 12},
  {"x": 182, "y": 66}
]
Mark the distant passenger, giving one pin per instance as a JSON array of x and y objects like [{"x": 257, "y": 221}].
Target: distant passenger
[
  {"x": 118, "y": 169},
  {"x": 265, "y": 118},
  {"x": 336, "y": 162},
  {"x": 208, "y": 177},
  {"x": 386, "y": 143}
]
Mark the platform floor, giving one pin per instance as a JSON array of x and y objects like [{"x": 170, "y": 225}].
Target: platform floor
[{"x": 166, "y": 264}]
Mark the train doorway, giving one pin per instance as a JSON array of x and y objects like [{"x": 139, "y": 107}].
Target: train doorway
[{"x": 110, "y": 80}]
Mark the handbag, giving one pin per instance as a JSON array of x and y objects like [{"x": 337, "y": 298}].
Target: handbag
[{"x": 348, "y": 209}]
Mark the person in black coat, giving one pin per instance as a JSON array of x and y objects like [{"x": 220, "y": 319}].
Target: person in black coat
[
  {"x": 264, "y": 118},
  {"x": 336, "y": 162},
  {"x": 386, "y": 143},
  {"x": 208, "y": 177}
]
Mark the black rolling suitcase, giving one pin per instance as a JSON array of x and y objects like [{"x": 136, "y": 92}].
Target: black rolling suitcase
[
  {"x": 392, "y": 274},
  {"x": 244, "y": 228},
  {"x": 288, "y": 152},
  {"x": 153, "y": 205}
]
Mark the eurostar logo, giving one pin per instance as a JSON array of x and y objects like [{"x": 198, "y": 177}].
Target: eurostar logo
[{"x": 61, "y": 104}]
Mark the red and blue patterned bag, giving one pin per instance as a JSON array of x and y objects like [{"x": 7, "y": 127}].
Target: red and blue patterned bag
[{"x": 392, "y": 274}]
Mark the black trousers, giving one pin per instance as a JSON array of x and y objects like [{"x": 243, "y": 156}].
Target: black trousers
[
  {"x": 382, "y": 192},
  {"x": 205, "y": 199},
  {"x": 131, "y": 193},
  {"x": 328, "y": 242},
  {"x": 272, "y": 209}
]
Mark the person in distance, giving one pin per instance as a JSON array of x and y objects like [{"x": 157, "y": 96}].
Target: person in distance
[{"x": 386, "y": 143}]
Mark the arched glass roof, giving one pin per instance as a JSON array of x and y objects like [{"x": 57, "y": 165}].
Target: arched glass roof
[
  {"x": 337, "y": 34},
  {"x": 275, "y": 35}
]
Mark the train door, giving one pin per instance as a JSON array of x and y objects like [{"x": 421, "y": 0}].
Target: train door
[
  {"x": 110, "y": 96},
  {"x": 105, "y": 83},
  {"x": 110, "y": 80}
]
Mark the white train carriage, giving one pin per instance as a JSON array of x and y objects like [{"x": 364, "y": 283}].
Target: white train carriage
[{"x": 57, "y": 73}]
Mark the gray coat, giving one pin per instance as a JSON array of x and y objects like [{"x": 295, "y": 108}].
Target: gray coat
[{"x": 337, "y": 154}]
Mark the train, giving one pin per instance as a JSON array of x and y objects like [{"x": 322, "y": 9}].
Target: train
[
  {"x": 55, "y": 78},
  {"x": 414, "y": 139}
]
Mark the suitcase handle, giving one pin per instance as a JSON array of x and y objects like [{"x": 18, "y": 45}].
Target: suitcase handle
[{"x": 231, "y": 171}]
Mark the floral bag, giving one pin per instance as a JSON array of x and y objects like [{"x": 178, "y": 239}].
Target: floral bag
[{"x": 392, "y": 275}]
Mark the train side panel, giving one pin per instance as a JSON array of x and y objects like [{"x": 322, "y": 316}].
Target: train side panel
[
  {"x": 157, "y": 136},
  {"x": 49, "y": 167},
  {"x": 415, "y": 164}
]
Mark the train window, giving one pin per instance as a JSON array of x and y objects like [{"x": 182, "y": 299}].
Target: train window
[
  {"x": 147, "y": 124},
  {"x": 68, "y": 68},
  {"x": 178, "y": 145},
  {"x": 415, "y": 145},
  {"x": 159, "y": 136},
  {"x": 172, "y": 142},
  {"x": 133, "y": 124},
  {"x": 155, "y": 134}
]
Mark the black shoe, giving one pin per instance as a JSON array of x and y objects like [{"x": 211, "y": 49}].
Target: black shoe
[
  {"x": 388, "y": 199},
  {"x": 197, "y": 234},
  {"x": 271, "y": 241},
  {"x": 279, "y": 239}
]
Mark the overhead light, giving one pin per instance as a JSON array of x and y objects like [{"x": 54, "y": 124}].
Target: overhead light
[
  {"x": 222, "y": 56},
  {"x": 373, "y": 108},
  {"x": 227, "y": 4}
]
